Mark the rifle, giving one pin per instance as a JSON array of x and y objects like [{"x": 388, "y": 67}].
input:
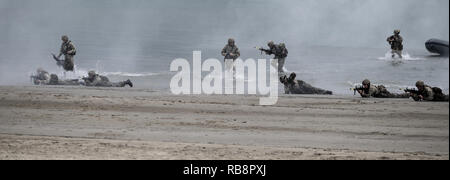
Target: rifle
[
  {"x": 356, "y": 88},
  {"x": 59, "y": 62},
  {"x": 227, "y": 55},
  {"x": 263, "y": 50},
  {"x": 412, "y": 91}
]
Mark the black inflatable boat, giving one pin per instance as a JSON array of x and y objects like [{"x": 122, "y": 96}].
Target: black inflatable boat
[{"x": 437, "y": 46}]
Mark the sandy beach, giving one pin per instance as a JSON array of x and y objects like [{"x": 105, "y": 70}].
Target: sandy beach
[{"x": 52, "y": 122}]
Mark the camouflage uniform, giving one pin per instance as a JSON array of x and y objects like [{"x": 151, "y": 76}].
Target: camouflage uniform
[
  {"x": 396, "y": 43},
  {"x": 283, "y": 55},
  {"x": 69, "y": 51},
  {"x": 54, "y": 80},
  {"x": 430, "y": 94},
  {"x": 42, "y": 77},
  {"x": 103, "y": 81},
  {"x": 280, "y": 53},
  {"x": 231, "y": 51},
  {"x": 380, "y": 92},
  {"x": 292, "y": 86}
]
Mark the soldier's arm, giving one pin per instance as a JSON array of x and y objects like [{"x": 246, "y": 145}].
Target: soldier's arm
[
  {"x": 87, "y": 82},
  {"x": 224, "y": 51},
  {"x": 237, "y": 53},
  {"x": 268, "y": 51},
  {"x": 72, "y": 48},
  {"x": 415, "y": 97},
  {"x": 400, "y": 39},
  {"x": 364, "y": 95},
  {"x": 391, "y": 39}
]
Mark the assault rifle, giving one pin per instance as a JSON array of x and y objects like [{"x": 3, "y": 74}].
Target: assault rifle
[
  {"x": 267, "y": 51},
  {"x": 356, "y": 88}
]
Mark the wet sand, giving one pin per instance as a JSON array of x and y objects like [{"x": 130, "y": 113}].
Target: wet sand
[{"x": 52, "y": 122}]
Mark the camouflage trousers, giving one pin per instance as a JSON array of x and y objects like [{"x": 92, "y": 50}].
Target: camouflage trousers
[
  {"x": 111, "y": 84},
  {"x": 304, "y": 88},
  {"x": 437, "y": 97},
  {"x": 119, "y": 84},
  {"x": 68, "y": 63},
  {"x": 66, "y": 82},
  {"x": 392, "y": 95},
  {"x": 398, "y": 52},
  {"x": 281, "y": 64}
]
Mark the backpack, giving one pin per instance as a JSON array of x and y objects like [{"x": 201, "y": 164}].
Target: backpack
[
  {"x": 284, "y": 52},
  {"x": 437, "y": 90}
]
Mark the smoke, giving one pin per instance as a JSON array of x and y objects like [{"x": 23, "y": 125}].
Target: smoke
[
  {"x": 353, "y": 23},
  {"x": 123, "y": 34}
]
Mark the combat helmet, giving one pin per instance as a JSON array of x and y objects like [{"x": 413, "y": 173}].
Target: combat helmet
[
  {"x": 40, "y": 70},
  {"x": 65, "y": 38},
  {"x": 420, "y": 84},
  {"x": 231, "y": 41},
  {"x": 366, "y": 82},
  {"x": 397, "y": 31},
  {"x": 91, "y": 73}
]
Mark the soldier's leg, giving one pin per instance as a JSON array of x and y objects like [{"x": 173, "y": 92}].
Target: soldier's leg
[
  {"x": 281, "y": 64},
  {"x": 403, "y": 95},
  {"x": 122, "y": 84},
  {"x": 393, "y": 53},
  {"x": 399, "y": 53},
  {"x": 322, "y": 91},
  {"x": 118, "y": 84},
  {"x": 309, "y": 89},
  {"x": 68, "y": 63},
  {"x": 440, "y": 97},
  {"x": 102, "y": 84}
]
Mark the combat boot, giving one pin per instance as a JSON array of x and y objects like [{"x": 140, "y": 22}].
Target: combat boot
[{"x": 129, "y": 83}]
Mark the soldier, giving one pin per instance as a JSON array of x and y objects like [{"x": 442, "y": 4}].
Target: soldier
[
  {"x": 231, "y": 51},
  {"x": 368, "y": 90},
  {"x": 94, "y": 79},
  {"x": 279, "y": 51},
  {"x": 69, "y": 51},
  {"x": 42, "y": 77},
  {"x": 396, "y": 43},
  {"x": 427, "y": 93},
  {"x": 292, "y": 86}
]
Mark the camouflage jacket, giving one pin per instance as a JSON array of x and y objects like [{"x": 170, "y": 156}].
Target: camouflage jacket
[
  {"x": 372, "y": 91},
  {"x": 277, "y": 50},
  {"x": 67, "y": 48},
  {"x": 427, "y": 94},
  {"x": 396, "y": 42},
  {"x": 228, "y": 50}
]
